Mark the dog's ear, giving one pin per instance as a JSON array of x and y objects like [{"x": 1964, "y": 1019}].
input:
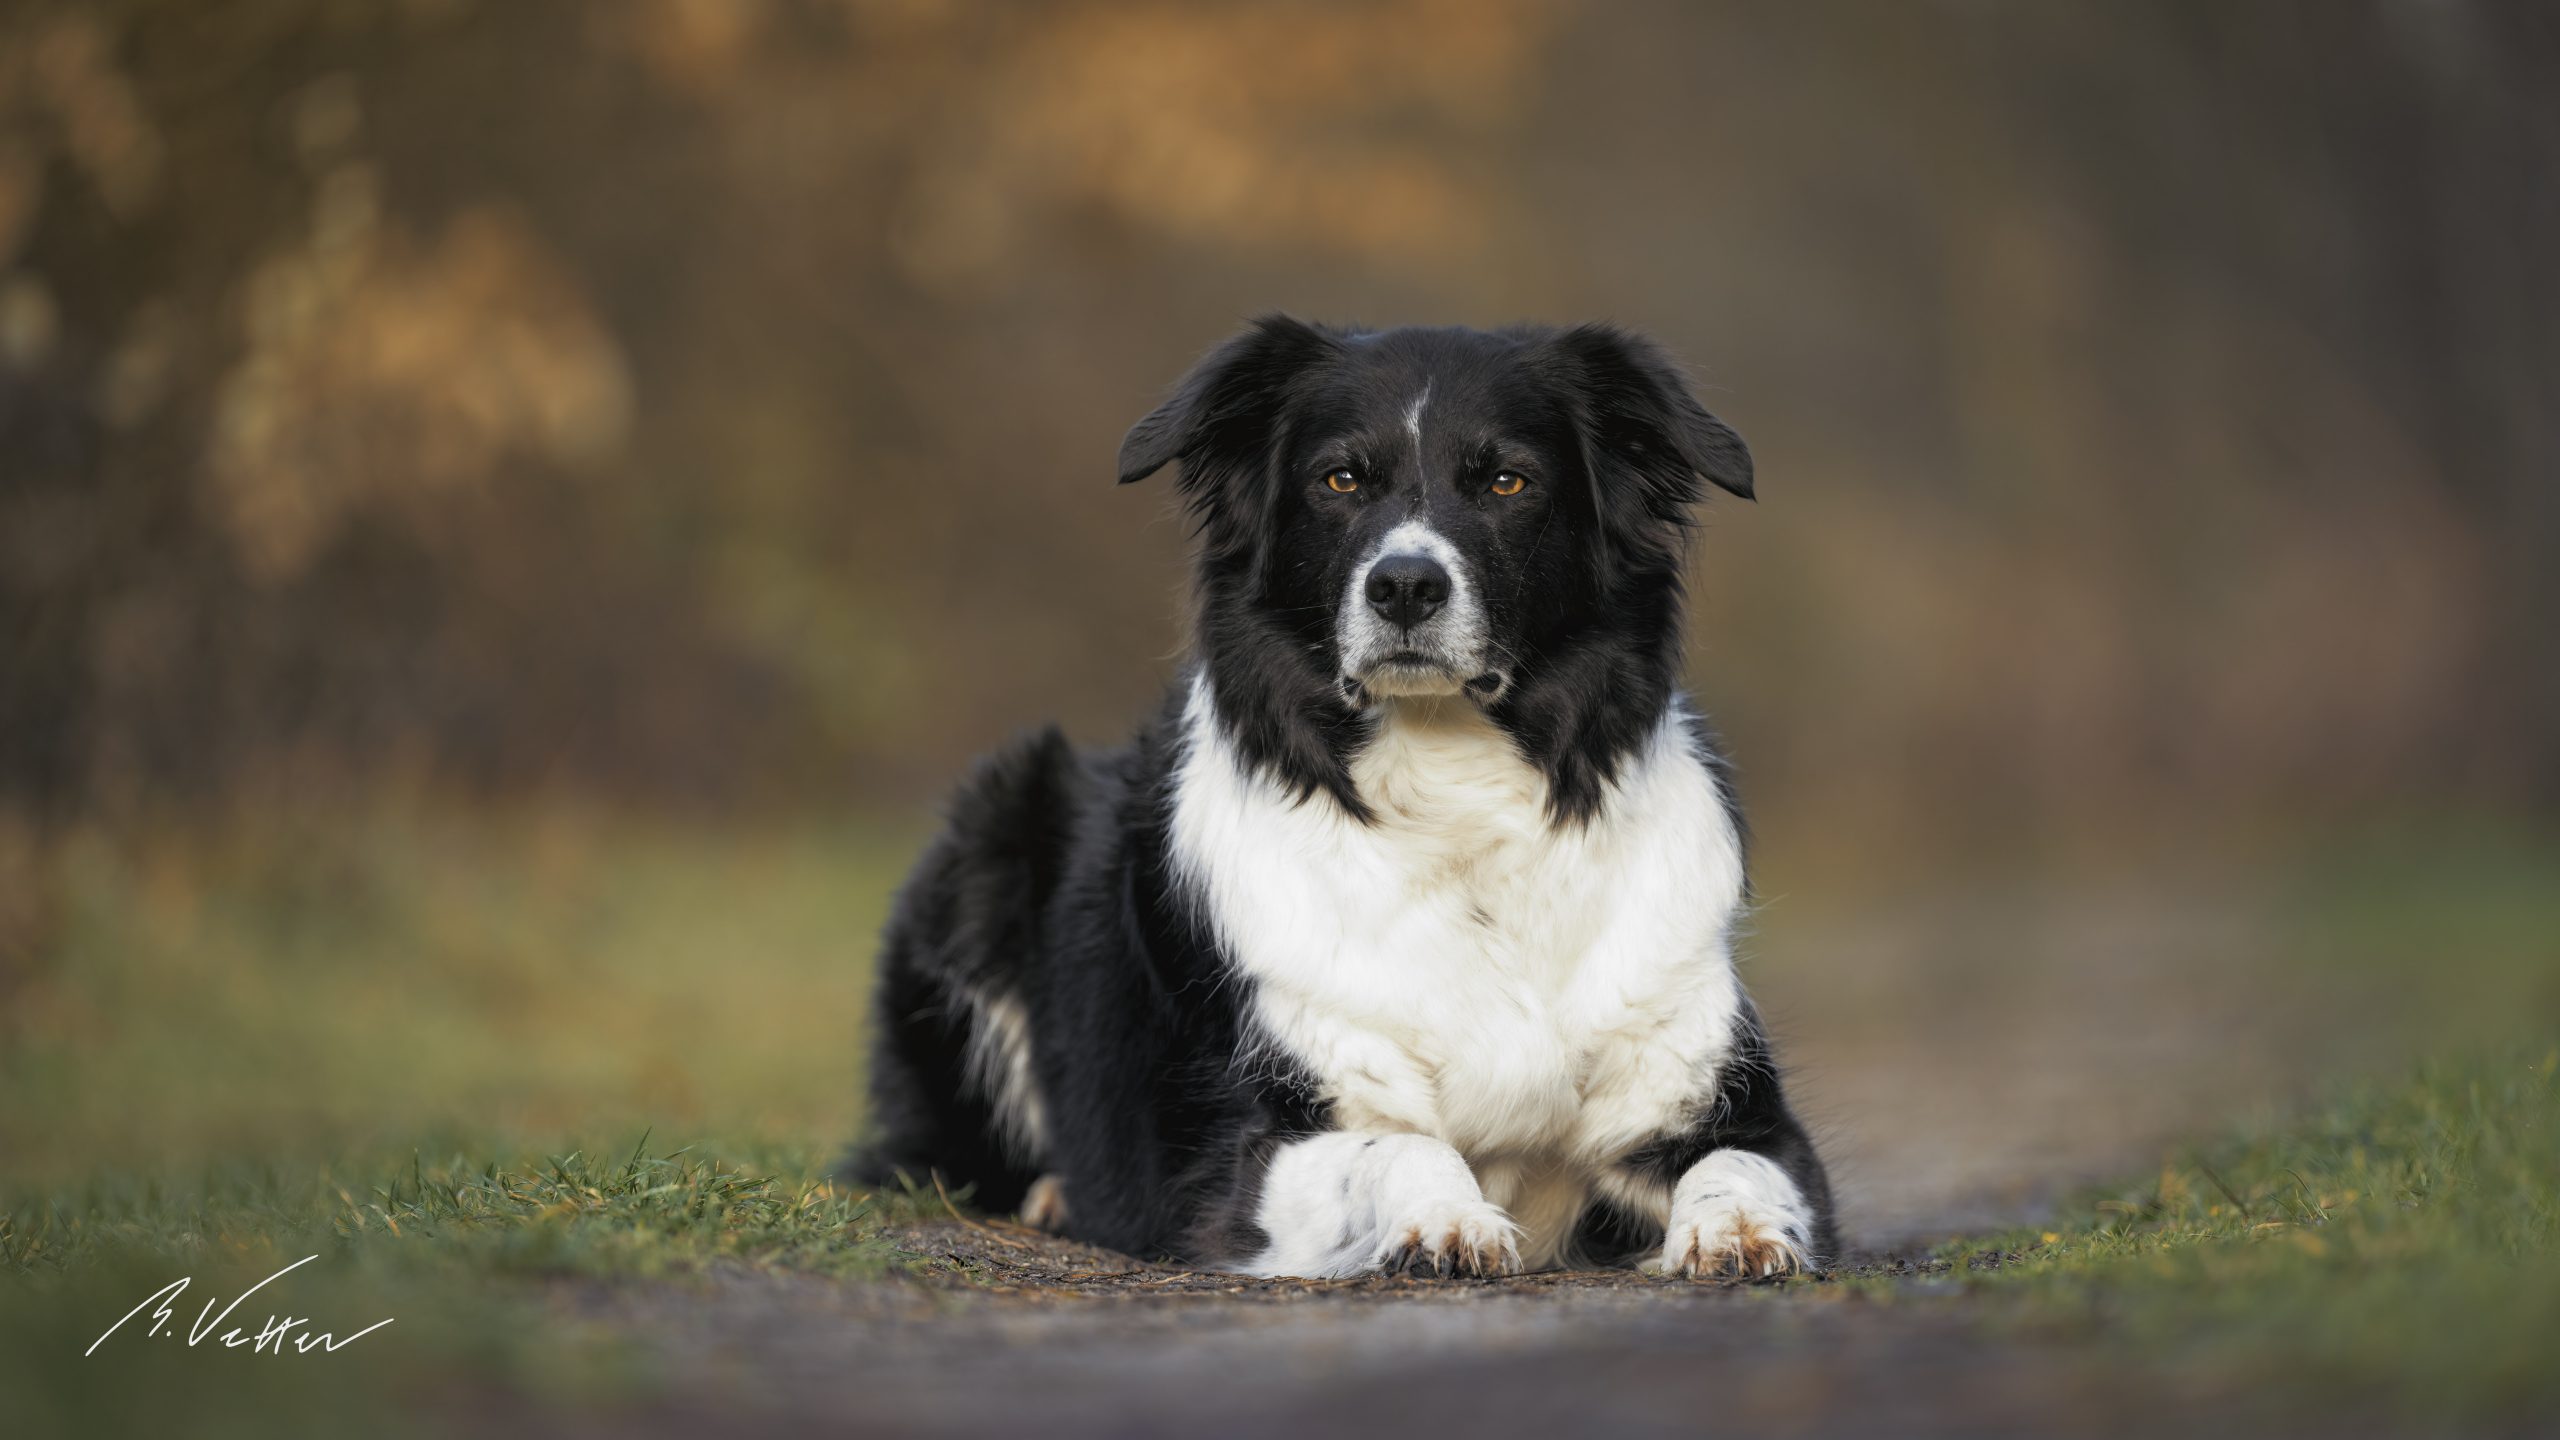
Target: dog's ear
[
  {"x": 1639, "y": 412},
  {"x": 1221, "y": 423},
  {"x": 1226, "y": 405},
  {"x": 1647, "y": 442}
]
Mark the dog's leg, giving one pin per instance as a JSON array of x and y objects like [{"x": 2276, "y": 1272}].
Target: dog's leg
[
  {"x": 1742, "y": 1192},
  {"x": 954, "y": 1090},
  {"x": 1737, "y": 1213},
  {"x": 1351, "y": 1204},
  {"x": 1044, "y": 1205}
]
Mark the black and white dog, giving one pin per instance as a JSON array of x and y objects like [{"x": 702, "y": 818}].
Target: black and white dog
[{"x": 1402, "y": 937}]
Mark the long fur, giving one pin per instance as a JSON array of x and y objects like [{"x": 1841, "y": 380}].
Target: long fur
[{"x": 1401, "y": 935}]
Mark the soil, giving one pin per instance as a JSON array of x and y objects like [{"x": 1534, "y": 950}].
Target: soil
[
  {"x": 1963, "y": 1070},
  {"x": 1009, "y": 1332}
]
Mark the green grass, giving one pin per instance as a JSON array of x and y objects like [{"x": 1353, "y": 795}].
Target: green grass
[
  {"x": 641, "y": 1214},
  {"x": 465, "y": 1255},
  {"x": 394, "y": 1043},
  {"x": 468, "y": 1061},
  {"x": 460, "y": 1254},
  {"x": 2402, "y": 1240},
  {"x": 310, "y": 991}
]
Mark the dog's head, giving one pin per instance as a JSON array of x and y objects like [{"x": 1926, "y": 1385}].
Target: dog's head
[{"x": 1497, "y": 516}]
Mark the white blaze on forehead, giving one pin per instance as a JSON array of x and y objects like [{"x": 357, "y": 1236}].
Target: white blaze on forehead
[{"x": 1413, "y": 423}]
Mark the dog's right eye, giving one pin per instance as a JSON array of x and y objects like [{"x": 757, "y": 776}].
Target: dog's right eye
[{"x": 1341, "y": 482}]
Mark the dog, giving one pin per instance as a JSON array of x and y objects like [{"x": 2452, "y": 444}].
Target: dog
[{"x": 1400, "y": 940}]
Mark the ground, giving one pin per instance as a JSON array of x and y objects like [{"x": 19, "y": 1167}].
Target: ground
[
  {"x": 1070, "y": 1341},
  {"x": 2106, "y": 1164},
  {"x": 2428, "y": 1209}
]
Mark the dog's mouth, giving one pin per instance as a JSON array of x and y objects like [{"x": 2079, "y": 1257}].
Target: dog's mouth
[{"x": 1411, "y": 673}]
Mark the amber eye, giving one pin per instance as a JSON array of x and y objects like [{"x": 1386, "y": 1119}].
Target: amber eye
[
  {"x": 1508, "y": 483},
  {"x": 1342, "y": 482}
]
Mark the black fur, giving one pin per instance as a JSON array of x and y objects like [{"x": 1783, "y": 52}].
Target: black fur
[
  {"x": 1749, "y": 1113},
  {"x": 1051, "y": 888}
]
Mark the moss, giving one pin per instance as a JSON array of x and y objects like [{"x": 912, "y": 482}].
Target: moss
[{"x": 2403, "y": 1238}]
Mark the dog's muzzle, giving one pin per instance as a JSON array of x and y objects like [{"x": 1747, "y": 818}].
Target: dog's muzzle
[{"x": 1411, "y": 625}]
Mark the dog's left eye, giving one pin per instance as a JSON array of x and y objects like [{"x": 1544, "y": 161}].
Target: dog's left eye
[
  {"x": 1509, "y": 482},
  {"x": 1341, "y": 482}
]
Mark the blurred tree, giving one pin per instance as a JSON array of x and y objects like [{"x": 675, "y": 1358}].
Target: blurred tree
[{"x": 710, "y": 400}]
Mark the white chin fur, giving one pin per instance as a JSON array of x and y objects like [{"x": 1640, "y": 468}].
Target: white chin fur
[{"x": 1407, "y": 681}]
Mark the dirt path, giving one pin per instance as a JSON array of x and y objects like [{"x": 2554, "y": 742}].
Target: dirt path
[
  {"x": 1011, "y": 1334},
  {"x": 1964, "y": 1068}
]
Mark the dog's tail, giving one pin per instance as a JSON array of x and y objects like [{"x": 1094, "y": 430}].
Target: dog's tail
[{"x": 955, "y": 1091}]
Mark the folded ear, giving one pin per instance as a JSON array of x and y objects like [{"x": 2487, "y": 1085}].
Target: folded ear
[
  {"x": 1225, "y": 407},
  {"x": 1642, "y": 414},
  {"x": 1222, "y": 422}
]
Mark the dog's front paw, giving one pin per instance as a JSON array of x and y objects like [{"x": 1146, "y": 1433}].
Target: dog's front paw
[
  {"x": 1452, "y": 1238},
  {"x": 1731, "y": 1240},
  {"x": 1736, "y": 1213},
  {"x": 1044, "y": 1205}
]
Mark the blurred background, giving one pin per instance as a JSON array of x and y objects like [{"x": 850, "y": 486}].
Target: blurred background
[{"x": 511, "y": 514}]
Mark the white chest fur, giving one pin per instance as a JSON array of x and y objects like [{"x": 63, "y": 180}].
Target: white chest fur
[{"x": 1543, "y": 999}]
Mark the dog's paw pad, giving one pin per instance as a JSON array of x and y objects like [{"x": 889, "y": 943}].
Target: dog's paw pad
[
  {"x": 1044, "y": 1205},
  {"x": 1730, "y": 1241},
  {"x": 1472, "y": 1239}
]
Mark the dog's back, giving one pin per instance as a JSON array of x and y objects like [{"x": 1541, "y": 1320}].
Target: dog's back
[{"x": 951, "y": 1086}]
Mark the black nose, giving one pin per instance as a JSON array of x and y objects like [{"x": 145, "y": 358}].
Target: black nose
[{"x": 1408, "y": 589}]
